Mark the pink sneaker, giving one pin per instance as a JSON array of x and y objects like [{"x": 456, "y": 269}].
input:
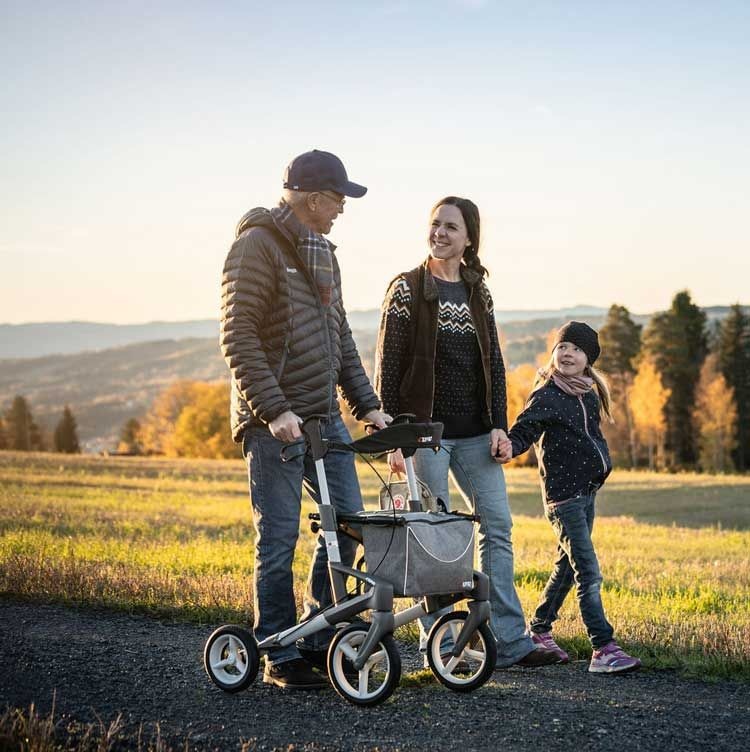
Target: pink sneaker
[
  {"x": 546, "y": 641},
  {"x": 612, "y": 659}
]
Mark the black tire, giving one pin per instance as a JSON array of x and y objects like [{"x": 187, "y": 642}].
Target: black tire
[
  {"x": 474, "y": 666},
  {"x": 231, "y": 658},
  {"x": 380, "y": 675}
]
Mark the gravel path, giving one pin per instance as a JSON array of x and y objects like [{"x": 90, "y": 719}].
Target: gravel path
[{"x": 101, "y": 664}]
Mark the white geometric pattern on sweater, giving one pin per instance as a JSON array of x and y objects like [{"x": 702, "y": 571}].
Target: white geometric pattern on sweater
[
  {"x": 400, "y": 303},
  {"x": 455, "y": 318}
]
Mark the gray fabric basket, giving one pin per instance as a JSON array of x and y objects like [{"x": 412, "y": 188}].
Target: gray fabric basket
[{"x": 420, "y": 553}]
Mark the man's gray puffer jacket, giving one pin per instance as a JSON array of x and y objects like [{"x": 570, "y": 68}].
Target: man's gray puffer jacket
[{"x": 284, "y": 348}]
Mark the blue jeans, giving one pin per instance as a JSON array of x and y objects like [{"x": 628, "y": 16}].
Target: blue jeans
[
  {"x": 275, "y": 495},
  {"x": 573, "y": 521},
  {"x": 482, "y": 484}
]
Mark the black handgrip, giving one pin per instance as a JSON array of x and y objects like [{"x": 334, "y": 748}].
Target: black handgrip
[
  {"x": 312, "y": 431},
  {"x": 404, "y": 418}
]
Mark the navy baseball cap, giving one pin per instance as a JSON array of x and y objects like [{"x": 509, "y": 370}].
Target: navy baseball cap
[{"x": 320, "y": 171}]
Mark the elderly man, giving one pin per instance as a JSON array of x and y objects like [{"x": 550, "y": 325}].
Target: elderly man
[{"x": 285, "y": 337}]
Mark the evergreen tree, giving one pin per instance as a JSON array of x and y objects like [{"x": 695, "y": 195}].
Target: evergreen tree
[
  {"x": 733, "y": 350},
  {"x": 36, "y": 438},
  {"x": 66, "y": 434},
  {"x": 620, "y": 339},
  {"x": 18, "y": 425},
  {"x": 676, "y": 340}
]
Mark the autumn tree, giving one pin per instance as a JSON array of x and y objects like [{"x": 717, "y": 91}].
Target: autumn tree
[
  {"x": 733, "y": 350},
  {"x": 65, "y": 438},
  {"x": 519, "y": 382},
  {"x": 3, "y": 436},
  {"x": 620, "y": 340},
  {"x": 189, "y": 419},
  {"x": 647, "y": 399},
  {"x": 130, "y": 438},
  {"x": 676, "y": 342},
  {"x": 715, "y": 418},
  {"x": 202, "y": 428},
  {"x": 157, "y": 427}
]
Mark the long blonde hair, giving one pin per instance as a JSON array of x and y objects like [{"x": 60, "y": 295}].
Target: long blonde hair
[{"x": 544, "y": 376}]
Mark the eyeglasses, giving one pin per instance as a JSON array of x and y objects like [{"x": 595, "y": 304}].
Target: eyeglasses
[{"x": 336, "y": 200}]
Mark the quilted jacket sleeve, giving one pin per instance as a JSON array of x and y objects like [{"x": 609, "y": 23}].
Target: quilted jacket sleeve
[{"x": 249, "y": 284}]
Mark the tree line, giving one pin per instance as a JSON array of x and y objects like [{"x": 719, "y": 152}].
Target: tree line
[
  {"x": 680, "y": 395},
  {"x": 680, "y": 388},
  {"x": 21, "y": 433}
]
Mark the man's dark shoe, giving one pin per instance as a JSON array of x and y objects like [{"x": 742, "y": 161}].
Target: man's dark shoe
[
  {"x": 539, "y": 657},
  {"x": 319, "y": 659},
  {"x": 294, "y": 674}
]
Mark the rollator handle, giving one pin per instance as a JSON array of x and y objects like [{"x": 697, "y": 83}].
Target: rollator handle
[{"x": 313, "y": 433}]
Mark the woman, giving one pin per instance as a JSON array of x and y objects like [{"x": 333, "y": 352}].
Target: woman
[{"x": 438, "y": 357}]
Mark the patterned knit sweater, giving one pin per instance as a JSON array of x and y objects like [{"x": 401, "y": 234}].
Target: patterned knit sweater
[{"x": 459, "y": 381}]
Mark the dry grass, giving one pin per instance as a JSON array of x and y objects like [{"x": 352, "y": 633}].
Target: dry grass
[
  {"x": 175, "y": 537},
  {"x": 28, "y": 731}
]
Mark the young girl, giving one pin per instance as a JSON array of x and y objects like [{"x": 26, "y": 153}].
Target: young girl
[{"x": 563, "y": 415}]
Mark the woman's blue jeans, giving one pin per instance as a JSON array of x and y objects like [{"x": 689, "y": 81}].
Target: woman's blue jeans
[
  {"x": 573, "y": 521},
  {"x": 275, "y": 495},
  {"x": 482, "y": 484}
]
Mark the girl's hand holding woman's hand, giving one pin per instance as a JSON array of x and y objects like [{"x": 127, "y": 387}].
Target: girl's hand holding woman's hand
[{"x": 501, "y": 447}]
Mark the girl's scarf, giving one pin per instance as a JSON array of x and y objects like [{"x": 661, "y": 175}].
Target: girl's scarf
[
  {"x": 313, "y": 247},
  {"x": 576, "y": 386}
]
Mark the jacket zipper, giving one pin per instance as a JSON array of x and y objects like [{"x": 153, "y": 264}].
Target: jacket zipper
[{"x": 586, "y": 429}]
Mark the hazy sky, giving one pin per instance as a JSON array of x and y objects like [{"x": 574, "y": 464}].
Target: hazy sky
[{"x": 606, "y": 143}]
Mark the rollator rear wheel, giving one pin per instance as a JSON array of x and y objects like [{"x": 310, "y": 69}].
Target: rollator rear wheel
[
  {"x": 378, "y": 677},
  {"x": 476, "y": 663},
  {"x": 231, "y": 658}
]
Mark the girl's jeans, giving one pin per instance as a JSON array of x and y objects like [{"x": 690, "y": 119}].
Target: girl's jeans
[
  {"x": 482, "y": 484},
  {"x": 573, "y": 521},
  {"x": 275, "y": 494}
]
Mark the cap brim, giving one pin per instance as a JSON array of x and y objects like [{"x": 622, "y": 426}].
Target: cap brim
[{"x": 353, "y": 190}]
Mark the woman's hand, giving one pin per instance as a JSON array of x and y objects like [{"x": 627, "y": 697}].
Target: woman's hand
[
  {"x": 501, "y": 447},
  {"x": 396, "y": 462}
]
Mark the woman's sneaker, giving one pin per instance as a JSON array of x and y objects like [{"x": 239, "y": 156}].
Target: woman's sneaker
[
  {"x": 612, "y": 659},
  {"x": 546, "y": 641}
]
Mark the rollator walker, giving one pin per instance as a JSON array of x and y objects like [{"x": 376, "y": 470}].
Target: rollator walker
[{"x": 415, "y": 554}]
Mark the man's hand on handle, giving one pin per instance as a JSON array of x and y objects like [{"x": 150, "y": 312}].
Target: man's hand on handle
[{"x": 286, "y": 427}]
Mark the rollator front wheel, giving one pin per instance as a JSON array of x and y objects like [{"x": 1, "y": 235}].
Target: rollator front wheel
[
  {"x": 231, "y": 658},
  {"x": 377, "y": 679},
  {"x": 471, "y": 669}
]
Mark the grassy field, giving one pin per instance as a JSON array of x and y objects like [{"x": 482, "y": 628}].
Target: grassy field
[{"x": 175, "y": 538}]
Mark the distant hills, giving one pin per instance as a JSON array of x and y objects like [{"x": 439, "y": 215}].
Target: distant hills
[
  {"x": 109, "y": 373},
  {"x": 38, "y": 339},
  {"x": 34, "y": 340}
]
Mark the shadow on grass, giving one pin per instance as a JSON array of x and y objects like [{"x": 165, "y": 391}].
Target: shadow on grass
[{"x": 722, "y": 506}]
